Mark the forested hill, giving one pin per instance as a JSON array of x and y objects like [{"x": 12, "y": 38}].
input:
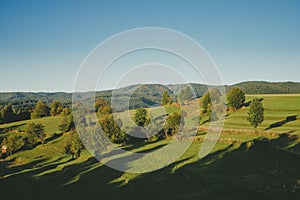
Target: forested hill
[
  {"x": 262, "y": 87},
  {"x": 151, "y": 93}
]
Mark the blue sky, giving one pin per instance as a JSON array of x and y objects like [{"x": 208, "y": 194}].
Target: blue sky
[{"x": 43, "y": 43}]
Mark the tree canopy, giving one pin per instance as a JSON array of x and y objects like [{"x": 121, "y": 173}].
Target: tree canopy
[
  {"x": 102, "y": 106},
  {"x": 13, "y": 143},
  {"x": 73, "y": 145},
  {"x": 256, "y": 113},
  {"x": 172, "y": 124},
  {"x": 111, "y": 129},
  {"x": 56, "y": 108},
  {"x": 67, "y": 123},
  {"x": 40, "y": 110},
  {"x": 235, "y": 98},
  {"x": 36, "y": 131}
]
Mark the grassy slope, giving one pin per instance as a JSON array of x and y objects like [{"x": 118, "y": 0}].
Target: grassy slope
[
  {"x": 277, "y": 109},
  {"x": 50, "y": 123},
  {"x": 231, "y": 171}
]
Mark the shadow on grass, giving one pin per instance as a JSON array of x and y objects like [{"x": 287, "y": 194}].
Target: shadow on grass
[
  {"x": 261, "y": 169},
  {"x": 123, "y": 161},
  {"x": 247, "y": 104},
  {"x": 53, "y": 137},
  {"x": 138, "y": 145},
  {"x": 13, "y": 127},
  {"x": 256, "y": 171},
  {"x": 34, "y": 167},
  {"x": 283, "y": 122}
]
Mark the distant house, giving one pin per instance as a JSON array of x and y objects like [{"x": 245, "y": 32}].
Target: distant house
[{"x": 3, "y": 149}]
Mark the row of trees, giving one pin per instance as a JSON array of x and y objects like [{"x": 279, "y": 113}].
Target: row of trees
[
  {"x": 9, "y": 114},
  {"x": 42, "y": 110}
]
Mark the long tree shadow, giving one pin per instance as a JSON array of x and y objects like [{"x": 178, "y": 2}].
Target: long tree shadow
[
  {"x": 259, "y": 169},
  {"x": 283, "y": 122},
  {"x": 124, "y": 160},
  {"x": 247, "y": 104},
  {"x": 7, "y": 171},
  {"x": 33, "y": 167},
  {"x": 246, "y": 172},
  {"x": 285, "y": 140},
  {"x": 9, "y": 128},
  {"x": 256, "y": 171},
  {"x": 139, "y": 144},
  {"x": 121, "y": 150},
  {"x": 53, "y": 137}
]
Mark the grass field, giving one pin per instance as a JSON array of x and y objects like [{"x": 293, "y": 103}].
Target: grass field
[
  {"x": 242, "y": 165},
  {"x": 282, "y": 115}
]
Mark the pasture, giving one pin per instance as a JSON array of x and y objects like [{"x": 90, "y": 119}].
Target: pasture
[{"x": 242, "y": 165}]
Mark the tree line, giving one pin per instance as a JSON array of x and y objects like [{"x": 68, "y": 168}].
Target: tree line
[{"x": 10, "y": 113}]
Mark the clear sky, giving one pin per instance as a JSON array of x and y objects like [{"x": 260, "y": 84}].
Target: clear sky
[{"x": 43, "y": 43}]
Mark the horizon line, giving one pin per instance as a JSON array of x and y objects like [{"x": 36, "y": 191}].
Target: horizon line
[{"x": 107, "y": 89}]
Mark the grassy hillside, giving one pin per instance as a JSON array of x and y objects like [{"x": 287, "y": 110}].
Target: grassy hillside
[
  {"x": 282, "y": 114},
  {"x": 242, "y": 165}
]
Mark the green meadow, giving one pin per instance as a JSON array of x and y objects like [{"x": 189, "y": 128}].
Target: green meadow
[
  {"x": 242, "y": 164},
  {"x": 282, "y": 114}
]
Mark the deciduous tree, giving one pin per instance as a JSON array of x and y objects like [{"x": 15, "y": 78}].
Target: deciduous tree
[
  {"x": 111, "y": 129},
  {"x": 13, "y": 143},
  {"x": 256, "y": 113},
  {"x": 56, "y": 108},
  {"x": 235, "y": 98},
  {"x": 102, "y": 106},
  {"x": 37, "y": 131},
  {"x": 66, "y": 124},
  {"x": 40, "y": 110},
  {"x": 73, "y": 145},
  {"x": 172, "y": 124}
]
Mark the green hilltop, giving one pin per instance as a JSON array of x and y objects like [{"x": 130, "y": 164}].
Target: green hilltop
[{"x": 149, "y": 94}]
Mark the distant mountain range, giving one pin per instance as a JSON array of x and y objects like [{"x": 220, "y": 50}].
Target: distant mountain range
[{"x": 150, "y": 94}]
